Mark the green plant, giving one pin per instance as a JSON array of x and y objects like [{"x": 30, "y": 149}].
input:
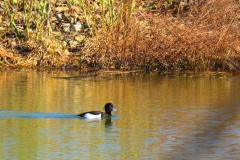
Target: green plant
[
  {"x": 11, "y": 15},
  {"x": 171, "y": 2}
]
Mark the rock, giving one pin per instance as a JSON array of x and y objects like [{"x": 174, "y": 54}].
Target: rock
[
  {"x": 61, "y": 9},
  {"x": 58, "y": 16},
  {"x": 64, "y": 43},
  {"x": 13, "y": 44},
  {"x": 3, "y": 29},
  {"x": 76, "y": 9},
  {"x": 53, "y": 1},
  {"x": 77, "y": 27},
  {"x": 79, "y": 38},
  {"x": 72, "y": 19},
  {"x": 72, "y": 43},
  {"x": 66, "y": 27}
]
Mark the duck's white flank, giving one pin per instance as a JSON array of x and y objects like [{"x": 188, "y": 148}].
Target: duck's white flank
[{"x": 88, "y": 115}]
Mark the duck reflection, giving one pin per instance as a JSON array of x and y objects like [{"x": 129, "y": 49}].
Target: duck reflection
[
  {"x": 92, "y": 119},
  {"x": 108, "y": 121}
]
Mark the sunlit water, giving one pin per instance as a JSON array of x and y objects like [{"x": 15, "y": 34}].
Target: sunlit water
[{"x": 158, "y": 117}]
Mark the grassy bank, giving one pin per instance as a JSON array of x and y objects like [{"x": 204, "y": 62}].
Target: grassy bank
[{"x": 126, "y": 35}]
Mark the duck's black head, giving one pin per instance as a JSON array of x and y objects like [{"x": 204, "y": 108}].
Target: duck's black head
[{"x": 109, "y": 108}]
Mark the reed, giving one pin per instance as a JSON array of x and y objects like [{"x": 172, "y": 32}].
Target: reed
[
  {"x": 205, "y": 40},
  {"x": 87, "y": 11},
  {"x": 45, "y": 49},
  {"x": 34, "y": 12},
  {"x": 11, "y": 15}
]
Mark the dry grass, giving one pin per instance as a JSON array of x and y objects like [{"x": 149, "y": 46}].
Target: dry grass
[
  {"x": 208, "y": 40},
  {"x": 7, "y": 58},
  {"x": 50, "y": 54},
  {"x": 47, "y": 52},
  {"x": 32, "y": 37}
]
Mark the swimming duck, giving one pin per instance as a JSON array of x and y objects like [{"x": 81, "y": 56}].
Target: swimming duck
[{"x": 98, "y": 114}]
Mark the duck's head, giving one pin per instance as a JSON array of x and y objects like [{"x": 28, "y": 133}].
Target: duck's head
[{"x": 109, "y": 108}]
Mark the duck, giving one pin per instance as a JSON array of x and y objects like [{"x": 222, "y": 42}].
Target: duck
[{"x": 98, "y": 114}]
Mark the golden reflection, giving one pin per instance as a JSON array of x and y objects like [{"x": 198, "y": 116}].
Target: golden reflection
[{"x": 153, "y": 112}]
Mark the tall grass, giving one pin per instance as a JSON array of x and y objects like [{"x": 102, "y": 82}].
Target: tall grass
[
  {"x": 11, "y": 14},
  {"x": 116, "y": 18},
  {"x": 207, "y": 40},
  {"x": 34, "y": 13},
  {"x": 34, "y": 17}
]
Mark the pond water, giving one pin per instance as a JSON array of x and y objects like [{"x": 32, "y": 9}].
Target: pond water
[{"x": 157, "y": 117}]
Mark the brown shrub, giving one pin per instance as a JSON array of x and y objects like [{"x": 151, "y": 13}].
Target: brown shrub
[{"x": 208, "y": 40}]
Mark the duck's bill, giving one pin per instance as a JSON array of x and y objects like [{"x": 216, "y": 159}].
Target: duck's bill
[{"x": 113, "y": 109}]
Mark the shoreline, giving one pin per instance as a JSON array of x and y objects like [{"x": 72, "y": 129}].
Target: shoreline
[{"x": 149, "y": 36}]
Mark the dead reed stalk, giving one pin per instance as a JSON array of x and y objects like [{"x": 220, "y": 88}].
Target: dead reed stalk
[{"x": 206, "y": 41}]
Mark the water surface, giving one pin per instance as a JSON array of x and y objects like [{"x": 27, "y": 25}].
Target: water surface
[{"x": 158, "y": 117}]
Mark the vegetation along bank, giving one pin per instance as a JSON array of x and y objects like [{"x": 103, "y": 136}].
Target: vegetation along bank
[{"x": 199, "y": 35}]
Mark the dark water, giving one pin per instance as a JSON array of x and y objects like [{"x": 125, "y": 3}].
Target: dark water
[{"x": 158, "y": 117}]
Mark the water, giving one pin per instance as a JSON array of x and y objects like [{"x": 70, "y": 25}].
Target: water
[{"x": 158, "y": 117}]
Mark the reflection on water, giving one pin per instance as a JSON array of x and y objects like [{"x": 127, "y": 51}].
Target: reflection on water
[
  {"x": 158, "y": 117},
  {"x": 22, "y": 114}
]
